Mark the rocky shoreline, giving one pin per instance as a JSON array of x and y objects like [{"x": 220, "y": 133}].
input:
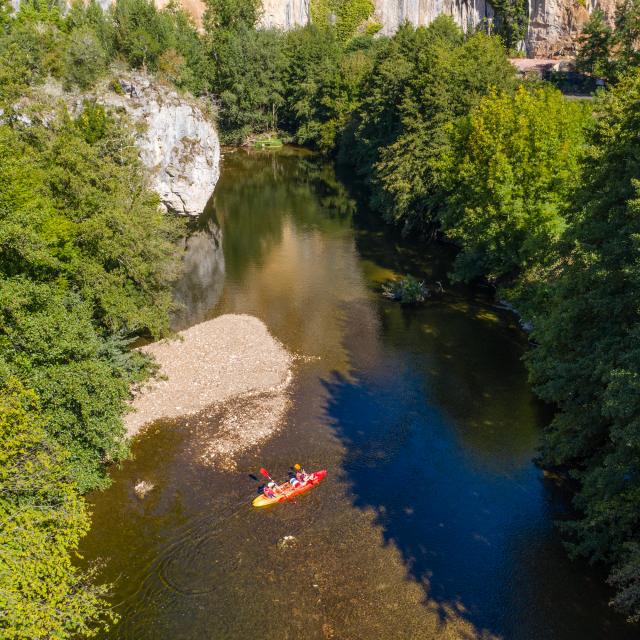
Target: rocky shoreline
[{"x": 228, "y": 375}]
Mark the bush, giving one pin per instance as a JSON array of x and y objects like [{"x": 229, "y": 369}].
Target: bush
[{"x": 85, "y": 58}]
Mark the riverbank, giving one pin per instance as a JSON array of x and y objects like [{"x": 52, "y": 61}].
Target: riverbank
[{"x": 229, "y": 369}]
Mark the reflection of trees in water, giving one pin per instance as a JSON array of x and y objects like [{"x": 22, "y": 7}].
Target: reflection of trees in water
[
  {"x": 298, "y": 186},
  {"x": 471, "y": 369},
  {"x": 203, "y": 272},
  {"x": 331, "y": 192}
]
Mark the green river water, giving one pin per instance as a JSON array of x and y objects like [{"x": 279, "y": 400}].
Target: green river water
[{"x": 433, "y": 522}]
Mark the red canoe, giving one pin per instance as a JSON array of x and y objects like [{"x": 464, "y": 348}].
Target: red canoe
[{"x": 287, "y": 492}]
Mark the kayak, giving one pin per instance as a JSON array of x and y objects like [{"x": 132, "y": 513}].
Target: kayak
[{"x": 287, "y": 492}]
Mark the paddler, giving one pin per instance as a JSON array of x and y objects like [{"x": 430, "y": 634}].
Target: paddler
[
  {"x": 301, "y": 474},
  {"x": 271, "y": 489}
]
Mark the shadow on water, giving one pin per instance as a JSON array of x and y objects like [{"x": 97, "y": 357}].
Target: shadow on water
[{"x": 439, "y": 434}]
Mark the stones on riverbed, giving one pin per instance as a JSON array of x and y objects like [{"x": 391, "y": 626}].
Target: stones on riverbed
[
  {"x": 287, "y": 542},
  {"x": 142, "y": 487}
]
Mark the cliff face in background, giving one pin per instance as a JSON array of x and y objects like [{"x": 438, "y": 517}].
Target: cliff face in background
[
  {"x": 392, "y": 13},
  {"x": 554, "y": 25},
  {"x": 284, "y": 14}
]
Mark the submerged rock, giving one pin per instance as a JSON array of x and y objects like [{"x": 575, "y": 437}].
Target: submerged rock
[
  {"x": 143, "y": 487},
  {"x": 286, "y": 541}
]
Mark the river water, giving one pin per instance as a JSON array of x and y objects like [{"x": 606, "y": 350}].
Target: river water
[{"x": 433, "y": 521}]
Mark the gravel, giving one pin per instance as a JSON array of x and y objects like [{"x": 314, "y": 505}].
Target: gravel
[{"x": 232, "y": 357}]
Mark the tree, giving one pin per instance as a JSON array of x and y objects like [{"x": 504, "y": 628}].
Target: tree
[
  {"x": 596, "y": 47},
  {"x": 141, "y": 32},
  {"x": 86, "y": 256},
  {"x": 248, "y": 77},
  {"x": 42, "y": 594},
  {"x": 85, "y": 58},
  {"x": 513, "y": 164},
  {"x": 587, "y": 362},
  {"x": 611, "y": 52},
  {"x": 449, "y": 78},
  {"x": 325, "y": 81},
  {"x": 377, "y": 122},
  {"x": 231, "y": 15},
  {"x": 512, "y": 21}
]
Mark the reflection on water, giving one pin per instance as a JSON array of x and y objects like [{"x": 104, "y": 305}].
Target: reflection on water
[
  {"x": 202, "y": 281},
  {"x": 433, "y": 521}
]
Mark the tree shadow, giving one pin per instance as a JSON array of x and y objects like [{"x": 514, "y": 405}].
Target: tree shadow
[{"x": 478, "y": 537}]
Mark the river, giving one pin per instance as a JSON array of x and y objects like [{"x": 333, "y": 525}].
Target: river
[{"x": 433, "y": 521}]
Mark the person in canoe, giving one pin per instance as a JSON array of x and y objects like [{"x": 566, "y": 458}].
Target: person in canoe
[
  {"x": 301, "y": 474},
  {"x": 271, "y": 489},
  {"x": 298, "y": 478}
]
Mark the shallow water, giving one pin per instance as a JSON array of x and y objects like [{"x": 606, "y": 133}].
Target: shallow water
[{"x": 433, "y": 522}]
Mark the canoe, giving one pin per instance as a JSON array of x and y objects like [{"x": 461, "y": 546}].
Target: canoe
[{"x": 287, "y": 492}]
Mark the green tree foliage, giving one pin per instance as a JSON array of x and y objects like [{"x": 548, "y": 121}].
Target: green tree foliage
[
  {"x": 42, "y": 518},
  {"x": 511, "y": 21},
  {"x": 596, "y": 43},
  {"x": 141, "y": 32},
  {"x": 377, "y": 122},
  {"x": 32, "y": 46},
  {"x": 89, "y": 15},
  {"x": 325, "y": 82},
  {"x": 78, "y": 47},
  {"x": 513, "y": 165},
  {"x": 588, "y": 359},
  {"x": 450, "y": 76},
  {"x": 248, "y": 80},
  {"x": 611, "y": 52},
  {"x": 231, "y": 15},
  {"x": 86, "y": 58},
  {"x": 343, "y": 17},
  {"x": 85, "y": 254}
]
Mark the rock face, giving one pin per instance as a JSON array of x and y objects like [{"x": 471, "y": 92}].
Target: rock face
[
  {"x": 179, "y": 143},
  {"x": 284, "y": 14},
  {"x": 554, "y": 25},
  {"x": 467, "y": 13}
]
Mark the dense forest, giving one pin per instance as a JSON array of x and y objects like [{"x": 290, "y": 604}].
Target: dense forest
[{"x": 540, "y": 193}]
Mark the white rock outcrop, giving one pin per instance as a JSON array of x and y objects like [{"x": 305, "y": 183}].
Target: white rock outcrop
[
  {"x": 178, "y": 143},
  {"x": 467, "y": 13},
  {"x": 284, "y": 14}
]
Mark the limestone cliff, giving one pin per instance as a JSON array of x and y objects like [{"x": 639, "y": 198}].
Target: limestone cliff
[
  {"x": 178, "y": 142},
  {"x": 284, "y": 14},
  {"x": 392, "y": 13},
  {"x": 554, "y": 25}
]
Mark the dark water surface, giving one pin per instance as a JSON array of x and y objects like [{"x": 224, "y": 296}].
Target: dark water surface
[{"x": 433, "y": 522}]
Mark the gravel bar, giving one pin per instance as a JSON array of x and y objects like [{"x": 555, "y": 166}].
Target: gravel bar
[{"x": 210, "y": 363}]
